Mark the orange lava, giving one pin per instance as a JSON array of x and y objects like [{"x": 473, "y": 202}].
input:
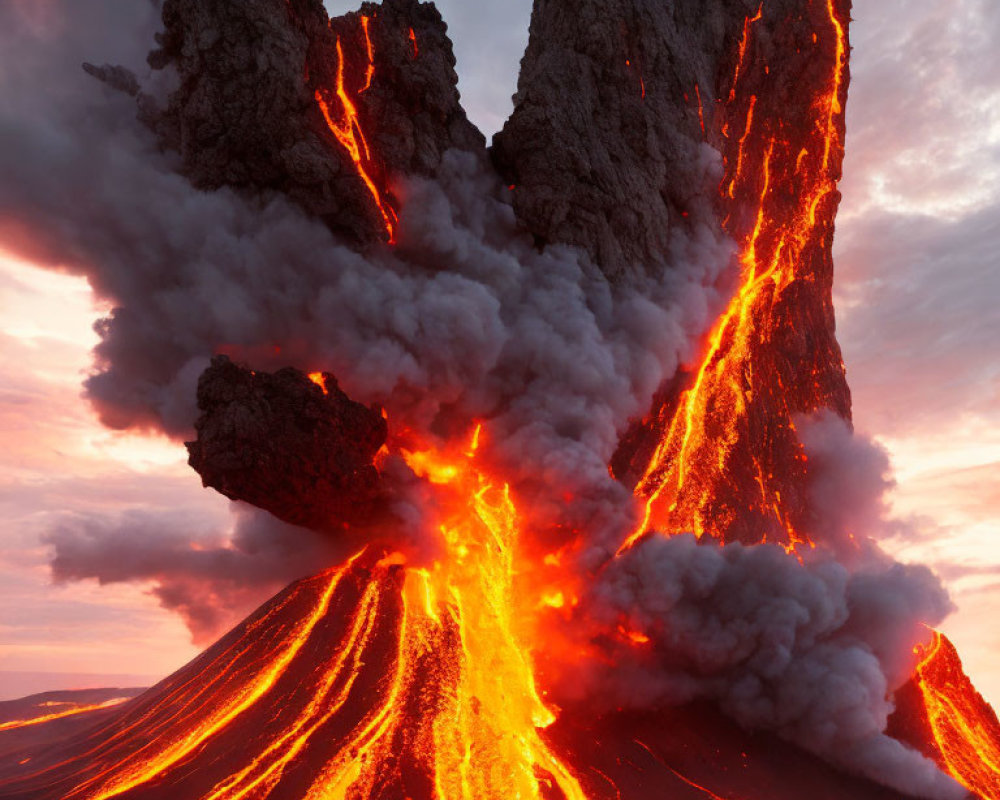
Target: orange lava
[
  {"x": 319, "y": 380},
  {"x": 635, "y": 637},
  {"x": 690, "y": 462},
  {"x": 348, "y": 131},
  {"x": 744, "y": 40},
  {"x": 701, "y": 110},
  {"x": 425, "y": 673},
  {"x": 163, "y": 754},
  {"x": 370, "y": 50},
  {"x": 965, "y": 729},
  {"x": 481, "y": 740},
  {"x": 69, "y": 712}
]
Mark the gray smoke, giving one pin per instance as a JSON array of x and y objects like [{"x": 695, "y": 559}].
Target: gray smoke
[
  {"x": 812, "y": 649},
  {"x": 211, "y": 578},
  {"x": 463, "y": 320},
  {"x": 808, "y": 650}
]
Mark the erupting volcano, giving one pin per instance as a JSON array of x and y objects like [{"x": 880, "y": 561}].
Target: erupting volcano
[{"x": 567, "y": 410}]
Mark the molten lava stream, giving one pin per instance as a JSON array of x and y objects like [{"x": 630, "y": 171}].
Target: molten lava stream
[
  {"x": 687, "y": 473},
  {"x": 462, "y": 695},
  {"x": 348, "y": 131},
  {"x": 68, "y": 712},
  {"x": 378, "y": 679},
  {"x": 192, "y": 726},
  {"x": 965, "y": 729}
]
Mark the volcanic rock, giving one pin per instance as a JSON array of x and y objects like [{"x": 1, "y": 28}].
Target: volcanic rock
[
  {"x": 604, "y": 148},
  {"x": 245, "y": 112},
  {"x": 284, "y": 443},
  {"x": 940, "y": 713}
]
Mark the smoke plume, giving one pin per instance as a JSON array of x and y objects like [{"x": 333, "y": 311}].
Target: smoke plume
[
  {"x": 211, "y": 579},
  {"x": 464, "y": 319},
  {"x": 811, "y": 651}
]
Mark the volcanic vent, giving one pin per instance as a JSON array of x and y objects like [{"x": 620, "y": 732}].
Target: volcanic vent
[{"x": 590, "y": 506}]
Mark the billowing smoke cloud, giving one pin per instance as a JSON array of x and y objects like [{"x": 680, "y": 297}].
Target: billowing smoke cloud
[
  {"x": 850, "y": 476},
  {"x": 810, "y": 651},
  {"x": 212, "y": 579},
  {"x": 463, "y": 320}
]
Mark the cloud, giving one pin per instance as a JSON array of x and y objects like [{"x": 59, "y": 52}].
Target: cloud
[
  {"x": 808, "y": 650},
  {"x": 212, "y": 579},
  {"x": 920, "y": 224},
  {"x": 918, "y": 321}
]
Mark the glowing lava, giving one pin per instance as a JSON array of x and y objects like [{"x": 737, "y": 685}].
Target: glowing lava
[
  {"x": 377, "y": 679},
  {"x": 66, "y": 712},
  {"x": 964, "y": 729},
  {"x": 163, "y": 754},
  {"x": 320, "y": 380},
  {"x": 479, "y": 738},
  {"x": 346, "y": 127},
  {"x": 790, "y": 189}
]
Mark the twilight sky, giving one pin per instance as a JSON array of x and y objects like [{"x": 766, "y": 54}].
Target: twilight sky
[{"x": 918, "y": 299}]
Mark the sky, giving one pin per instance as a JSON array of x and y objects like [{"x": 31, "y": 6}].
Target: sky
[{"x": 918, "y": 302}]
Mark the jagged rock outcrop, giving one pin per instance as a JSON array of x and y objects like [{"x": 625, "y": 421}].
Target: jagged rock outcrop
[
  {"x": 246, "y": 112},
  {"x": 604, "y": 146},
  {"x": 288, "y": 445}
]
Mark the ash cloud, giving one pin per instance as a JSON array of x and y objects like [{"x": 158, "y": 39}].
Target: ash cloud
[
  {"x": 810, "y": 651},
  {"x": 211, "y": 579},
  {"x": 463, "y": 319}
]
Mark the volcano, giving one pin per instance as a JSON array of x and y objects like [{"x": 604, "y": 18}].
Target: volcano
[
  {"x": 343, "y": 686},
  {"x": 584, "y": 502}
]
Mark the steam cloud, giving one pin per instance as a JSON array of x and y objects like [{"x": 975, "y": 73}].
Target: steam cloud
[
  {"x": 463, "y": 320},
  {"x": 812, "y": 652}
]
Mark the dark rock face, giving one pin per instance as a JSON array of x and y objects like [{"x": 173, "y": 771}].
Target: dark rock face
[
  {"x": 604, "y": 145},
  {"x": 246, "y": 111},
  {"x": 282, "y": 443}
]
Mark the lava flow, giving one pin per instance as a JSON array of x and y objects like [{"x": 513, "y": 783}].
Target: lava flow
[
  {"x": 66, "y": 712},
  {"x": 375, "y": 679},
  {"x": 950, "y": 721},
  {"x": 347, "y": 128},
  {"x": 707, "y": 441},
  {"x": 484, "y": 741}
]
